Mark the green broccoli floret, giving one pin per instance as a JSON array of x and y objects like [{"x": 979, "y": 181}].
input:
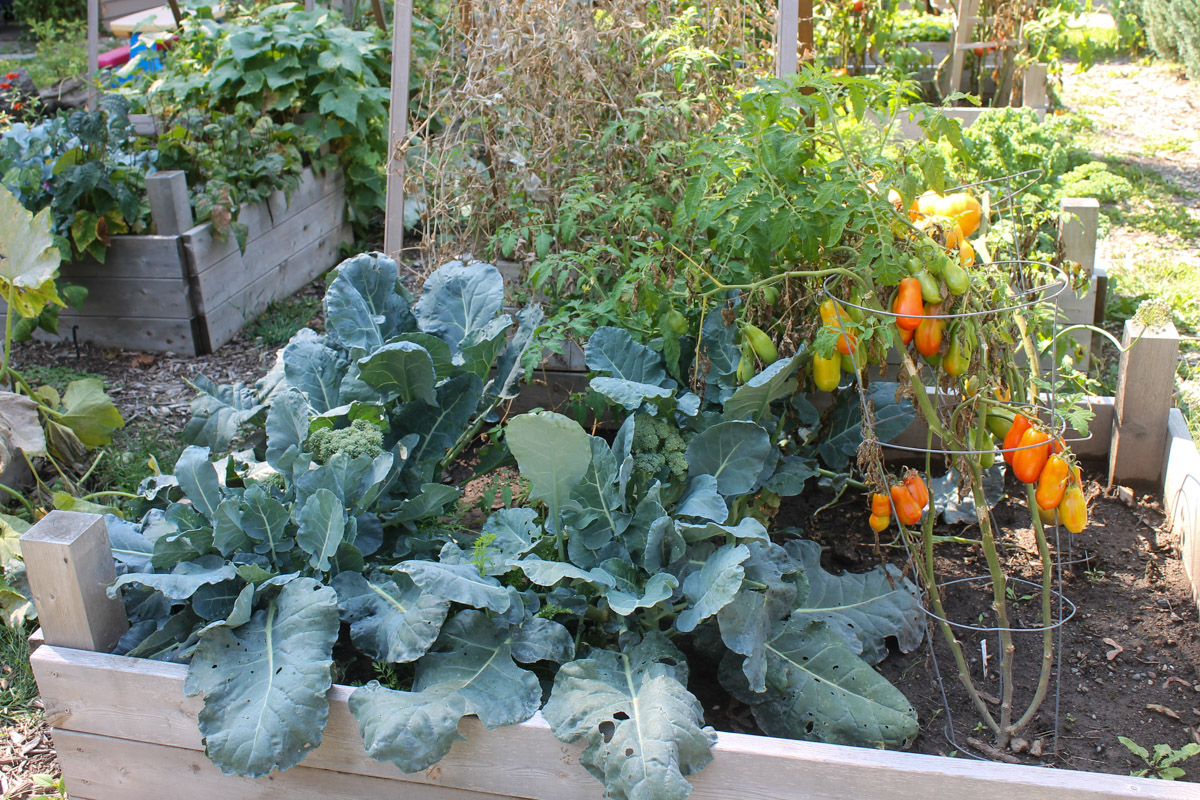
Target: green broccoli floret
[
  {"x": 274, "y": 480},
  {"x": 360, "y": 439},
  {"x": 648, "y": 463},
  {"x": 677, "y": 463},
  {"x": 645, "y": 434},
  {"x": 658, "y": 444}
]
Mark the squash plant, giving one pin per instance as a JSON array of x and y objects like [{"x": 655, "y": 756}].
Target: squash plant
[{"x": 289, "y": 545}]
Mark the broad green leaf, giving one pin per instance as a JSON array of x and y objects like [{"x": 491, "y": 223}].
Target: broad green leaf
[
  {"x": 265, "y": 683},
  {"x": 181, "y": 582},
  {"x": 614, "y": 353},
  {"x": 712, "y": 587},
  {"x": 644, "y": 731},
  {"x": 732, "y": 452},
  {"x": 228, "y": 534},
  {"x": 265, "y": 520},
  {"x": 538, "y": 639},
  {"x": 218, "y": 413},
  {"x": 864, "y": 608},
  {"x": 390, "y": 617},
  {"x": 752, "y": 401},
  {"x": 553, "y": 453},
  {"x": 287, "y": 429},
  {"x": 749, "y": 529},
  {"x": 439, "y": 424},
  {"x": 198, "y": 478},
  {"x": 703, "y": 500},
  {"x": 322, "y": 528},
  {"x": 29, "y": 259},
  {"x": 316, "y": 369},
  {"x": 845, "y": 430},
  {"x": 819, "y": 689},
  {"x": 20, "y": 428},
  {"x": 764, "y": 600},
  {"x": 432, "y": 499},
  {"x": 365, "y": 304},
  {"x": 597, "y": 493},
  {"x": 470, "y": 671},
  {"x": 482, "y": 346},
  {"x": 458, "y": 299},
  {"x": 628, "y": 394},
  {"x": 459, "y": 583},
  {"x": 625, "y": 597},
  {"x": 548, "y": 573},
  {"x": 88, "y": 411},
  {"x": 789, "y": 477},
  {"x": 403, "y": 370},
  {"x": 509, "y": 370}
]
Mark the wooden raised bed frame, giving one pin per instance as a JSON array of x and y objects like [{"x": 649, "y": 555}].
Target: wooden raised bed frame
[
  {"x": 124, "y": 730},
  {"x": 186, "y": 291}
]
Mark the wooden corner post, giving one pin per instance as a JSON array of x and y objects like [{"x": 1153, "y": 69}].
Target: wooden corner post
[
  {"x": 69, "y": 563},
  {"x": 1078, "y": 224},
  {"x": 1145, "y": 390},
  {"x": 170, "y": 204},
  {"x": 393, "y": 221},
  {"x": 793, "y": 35}
]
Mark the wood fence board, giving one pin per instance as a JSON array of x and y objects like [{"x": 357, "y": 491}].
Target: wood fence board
[
  {"x": 231, "y": 277},
  {"x": 148, "y": 334},
  {"x": 285, "y": 279},
  {"x": 100, "y": 704},
  {"x": 132, "y": 257},
  {"x": 1181, "y": 495},
  {"x": 158, "y": 298},
  {"x": 312, "y": 188}
]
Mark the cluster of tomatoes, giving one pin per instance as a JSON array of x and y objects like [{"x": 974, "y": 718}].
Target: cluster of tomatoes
[
  {"x": 909, "y": 498},
  {"x": 827, "y": 372},
  {"x": 1038, "y": 459}
]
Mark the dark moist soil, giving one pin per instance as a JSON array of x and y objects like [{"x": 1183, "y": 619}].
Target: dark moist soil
[{"x": 1130, "y": 655}]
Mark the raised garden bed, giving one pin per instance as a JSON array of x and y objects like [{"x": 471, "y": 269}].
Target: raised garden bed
[{"x": 187, "y": 291}]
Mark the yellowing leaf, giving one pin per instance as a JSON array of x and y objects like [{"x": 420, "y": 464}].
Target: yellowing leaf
[{"x": 28, "y": 257}]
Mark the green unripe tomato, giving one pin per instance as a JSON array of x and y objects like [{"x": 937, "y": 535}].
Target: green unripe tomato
[
  {"x": 956, "y": 278},
  {"x": 762, "y": 345},
  {"x": 770, "y": 295},
  {"x": 931, "y": 292},
  {"x": 677, "y": 322}
]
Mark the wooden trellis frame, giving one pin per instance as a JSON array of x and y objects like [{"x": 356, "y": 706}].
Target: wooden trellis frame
[{"x": 793, "y": 40}]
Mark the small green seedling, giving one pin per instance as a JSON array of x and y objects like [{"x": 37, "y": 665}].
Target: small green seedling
[{"x": 1162, "y": 763}]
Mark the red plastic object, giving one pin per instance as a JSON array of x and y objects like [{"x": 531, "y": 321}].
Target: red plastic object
[{"x": 114, "y": 58}]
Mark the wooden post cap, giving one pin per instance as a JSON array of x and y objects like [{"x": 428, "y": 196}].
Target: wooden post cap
[{"x": 69, "y": 564}]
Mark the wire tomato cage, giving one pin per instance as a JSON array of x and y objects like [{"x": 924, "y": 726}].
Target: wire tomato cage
[{"x": 1019, "y": 299}]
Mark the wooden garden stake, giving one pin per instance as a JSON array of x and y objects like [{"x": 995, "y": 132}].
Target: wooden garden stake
[
  {"x": 393, "y": 236},
  {"x": 380, "y": 20},
  {"x": 793, "y": 35},
  {"x": 93, "y": 51},
  {"x": 175, "y": 12},
  {"x": 1078, "y": 223},
  {"x": 1145, "y": 390},
  {"x": 69, "y": 563}
]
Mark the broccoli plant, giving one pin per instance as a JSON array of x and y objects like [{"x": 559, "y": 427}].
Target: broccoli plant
[
  {"x": 360, "y": 439},
  {"x": 658, "y": 449}
]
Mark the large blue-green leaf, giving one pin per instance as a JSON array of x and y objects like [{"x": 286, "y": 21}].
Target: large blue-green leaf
[
  {"x": 752, "y": 401},
  {"x": 764, "y": 600},
  {"x": 265, "y": 520},
  {"x": 322, "y": 528},
  {"x": 703, "y": 500},
  {"x": 538, "y": 639},
  {"x": 711, "y": 587},
  {"x": 458, "y": 299},
  {"x": 628, "y": 394},
  {"x": 131, "y": 548},
  {"x": 626, "y": 593},
  {"x": 548, "y": 573},
  {"x": 287, "y": 429},
  {"x": 553, "y": 453},
  {"x": 228, "y": 535},
  {"x": 482, "y": 346},
  {"x": 460, "y": 583},
  {"x": 441, "y": 424},
  {"x": 470, "y": 671},
  {"x": 506, "y": 536},
  {"x": 198, "y": 478},
  {"x": 264, "y": 683},
  {"x": 597, "y": 494},
  {"x": 732, "y": 452},
  {"x": 614, "y": 353},
  {"x": 402, "y": 369},
  {"x": 845, "y": 430},
  {"x": 749, "y": 529},
  {"x": 819, "y": 689},
  {"x": 719, "y": 342},
  {"x": 390, "y": 617},
  {"x": 864, "y": 608},
  {"x": 365, "y": 304},
  {"x": 507, "y": 383},
  {"x": 439, "y": 351},
  {"x": 431, "y": 500},
  {"x": 181, "y": 582},
  {"x": 789, "y": 477},
  {"x": 315, "y": 369},
  {"x": 218, "y": 413},
  {"x": 644, "y": 731}
]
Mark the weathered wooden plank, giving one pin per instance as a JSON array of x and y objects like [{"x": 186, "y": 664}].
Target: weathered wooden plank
[
  {"x": 113, "y": 696},
  {"x": 93, "y": 50},
  {"x": 230, "y": 278},
  {"x": 110, "y": 9},
  {"x": 160, "y": 298},
  {"x": 98, "y": 768},
  {"x": 148, "y": 334},
  {"x": 170, "y": 202},
  {"x": 787, "y": 29},
  {"x": 312, "y": 188},
  {"x": 1145, "y": 390},
  {"x": 1181, "y": 495},
  {"x": 132, "y": 257},
  {"x": 286, "y": 278},
  {"x": 69, "y": 563},
  {"x": 393, "y": 218},
  {"x": 1033, "y": 89}
]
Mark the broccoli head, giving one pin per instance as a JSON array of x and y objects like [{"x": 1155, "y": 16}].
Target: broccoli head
[
  {"x": 658, "y": 445},
  {"x": 360, "y": 439}
]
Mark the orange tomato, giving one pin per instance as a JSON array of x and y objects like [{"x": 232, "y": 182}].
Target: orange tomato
[
  {"x": 929, "y": 333},
  {"x": 916, "y": 487},
  {"x": 906, "y": 336},
  {"x": 1052, "y": 483},
  {"x": 923, "y": 206},
  {"x": 879, "y": 524},
  {"x": 1073, "y": 509},
  {"x": 907, "y": 510},
  {"x": 881, "y": 506},
  {"x": 963, "y": 209},
  {"x": 909, "y": 305},
  {"x": 835, "y": 318},
  {"x": 966, "y": 254},
  {"x": 1013, "y": 437},
  {"x": 1028, "y": 461}
]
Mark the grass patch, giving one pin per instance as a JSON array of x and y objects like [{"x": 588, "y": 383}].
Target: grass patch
[
  {"x": 1155, "y": 205},
  {"x": 55, "y": 376},
  {"x": 282, "y": 319},
  {"x": 20, "y": 689},
  {"x": 127, "y": 461}
]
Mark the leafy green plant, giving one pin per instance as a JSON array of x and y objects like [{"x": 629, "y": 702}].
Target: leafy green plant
[
  {"x": 1162, "y": 763},
  {"x": 1173, "y": 29},
  {"x": 59, "y": 54},
  {"x": 31, "y": 11},
  {"x": 291, "y": 67}
]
